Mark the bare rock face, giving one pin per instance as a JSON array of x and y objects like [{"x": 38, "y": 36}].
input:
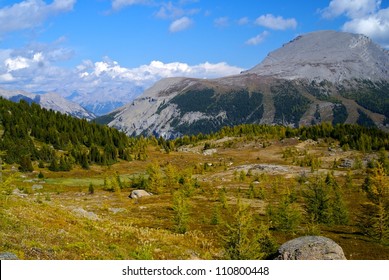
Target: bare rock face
[
  {"x": 310, "y": 248},
  {"x": 138, "y": 194},
  {"x": 327, "y": 55}
]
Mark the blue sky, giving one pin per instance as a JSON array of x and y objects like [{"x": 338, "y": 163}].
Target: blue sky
[{"x": 124, "y": 46}]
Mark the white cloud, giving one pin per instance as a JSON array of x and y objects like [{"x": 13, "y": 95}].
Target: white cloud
[
  {"x": 243, "y": 21},
  {"x": 376, "y": 26},
  {"x": 119, "y": 4},
  {"x": 170, "y": 11},
  {"x": 34, "y": 69},
  {"x": 221, "y": 22},
  {"x": 364, "y": 17},
  {"x": 31, "y": 13},
  {"x": 257, "y": 39},
  {"x": 276, "y": 22},
  {"x": 180, "y": 24},
  {"x": 351, "y": 8}
]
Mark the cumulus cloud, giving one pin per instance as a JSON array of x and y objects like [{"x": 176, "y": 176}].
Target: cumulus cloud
[
  {"x": 180, "y": 24},
  {"x": 170, "y": 11},
  {"x": 93, "y": 81},
  {"x": 31, "y": 13},
  {"x": 351, "y": 8},
  {"x": 276, "y": 22},
  {"x": 257, "y": 39},
  {"x": 364, "y": 17}
]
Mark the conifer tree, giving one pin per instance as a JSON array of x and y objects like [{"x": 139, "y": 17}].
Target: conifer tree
[
  {"x": 181, "y": 212},
  {"x": 244, "y": 239},
  {"x": 26, "y": 164},
  {"x": 375, "y": 217}
]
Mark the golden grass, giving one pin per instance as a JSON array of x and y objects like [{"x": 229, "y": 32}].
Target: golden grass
[{"x": 53, "y": 223}]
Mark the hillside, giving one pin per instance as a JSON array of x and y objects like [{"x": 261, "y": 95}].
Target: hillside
[
  {"x": 319, "y": 77},
  {"x": 31, "y": 133}
]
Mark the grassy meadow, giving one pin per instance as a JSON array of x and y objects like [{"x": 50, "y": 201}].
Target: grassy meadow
[{"x": 197, "y": 196}]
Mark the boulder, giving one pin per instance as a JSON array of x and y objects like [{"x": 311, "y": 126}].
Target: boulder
[
  {"x": 138, "y": 194},
  {"x": 310, "y": 248},
  {"x": 85, "y": 214},
  {"x": 8, "y": 256}
]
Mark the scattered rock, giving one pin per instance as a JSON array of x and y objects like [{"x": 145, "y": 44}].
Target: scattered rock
[
  {"x": 8, "y": 256},
  {"x": 18, "y": 193},
  {"x": 37, "y": 187},
  {"x": 138, "y": 194},
  {"x": 116, "y": 210},
  {"x": 209, "y": 152},
  {"x": 346, "y": 163},
  {"x": 310, "y": 248},
  {"x": 85, "y": 214}
]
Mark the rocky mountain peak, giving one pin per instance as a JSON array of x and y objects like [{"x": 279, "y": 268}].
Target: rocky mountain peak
[{"x": 327, "y": 55}]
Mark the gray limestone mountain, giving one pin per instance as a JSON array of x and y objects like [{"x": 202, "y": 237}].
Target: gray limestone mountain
[
  {"x": 48, "y": 101},
  {"x": 323, "y": 76}
]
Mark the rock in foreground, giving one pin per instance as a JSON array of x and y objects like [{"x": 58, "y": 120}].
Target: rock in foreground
[{"x": 310, "y": 248}]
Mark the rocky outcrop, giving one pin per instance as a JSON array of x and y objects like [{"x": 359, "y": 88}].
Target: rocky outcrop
[{"x": 310, "y": 248}]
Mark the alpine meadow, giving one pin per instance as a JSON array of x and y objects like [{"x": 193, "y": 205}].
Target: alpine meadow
[{"x": 287, "y": 158}]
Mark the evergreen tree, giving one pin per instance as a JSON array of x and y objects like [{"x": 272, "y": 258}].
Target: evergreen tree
[
  {"x": 181, "y": 212},
  {"x": 26, "y": 164},
  {"x": 54, "y": 166},
  {"x": 286, "y": 216},
  {"x": 318, "y": 201},
  {"x": 375, "y": 217},
  {"x": 244, "y": 239}
]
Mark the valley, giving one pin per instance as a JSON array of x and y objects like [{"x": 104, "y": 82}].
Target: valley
[{"x": 198, "y": 186}]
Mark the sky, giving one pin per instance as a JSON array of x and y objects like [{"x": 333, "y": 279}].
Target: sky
[{"x": 111, "y": 49}]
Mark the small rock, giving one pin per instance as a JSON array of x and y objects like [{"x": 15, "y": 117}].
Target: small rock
[
  {"x": 37, "y": 187},
  {"x": 138, "y": 194},
  {"x": 83, "y": 213},
  {"x": 209, "y": 152},
  {"x": 346, "y": 163},
  {"x": 18, "y": 193},
  {"x": 116, "y": 210},
  {"x": 310, "y": 248}
]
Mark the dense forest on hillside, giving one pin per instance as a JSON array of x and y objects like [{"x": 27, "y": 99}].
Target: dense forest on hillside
[
  {"x": 349, "y": 136},
  {"x": 30, "y": 133}
]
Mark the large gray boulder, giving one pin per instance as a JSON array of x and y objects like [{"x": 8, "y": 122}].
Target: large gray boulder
[
  {"x": 138, "y": 194},
  {"x": 310, "y": 248},
  {"x": 8, "y": 256}
]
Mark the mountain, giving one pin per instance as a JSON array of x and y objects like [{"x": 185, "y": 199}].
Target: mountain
[
  {"x": 327, "y": 56},
  {"x": 105, "y": 99},
  {"x": 51, "y": 101},
  {"x": 323, "y": 76}
]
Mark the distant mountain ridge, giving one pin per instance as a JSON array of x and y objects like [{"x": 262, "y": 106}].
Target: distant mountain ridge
[
  {"x": 323, "y": 76},
  {"x": 49, "y": 100}
]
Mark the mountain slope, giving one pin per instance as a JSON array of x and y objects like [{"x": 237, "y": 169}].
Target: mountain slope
[
  {"x": 323, "y": 76},
  {"x": 51, "y": 101}
]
